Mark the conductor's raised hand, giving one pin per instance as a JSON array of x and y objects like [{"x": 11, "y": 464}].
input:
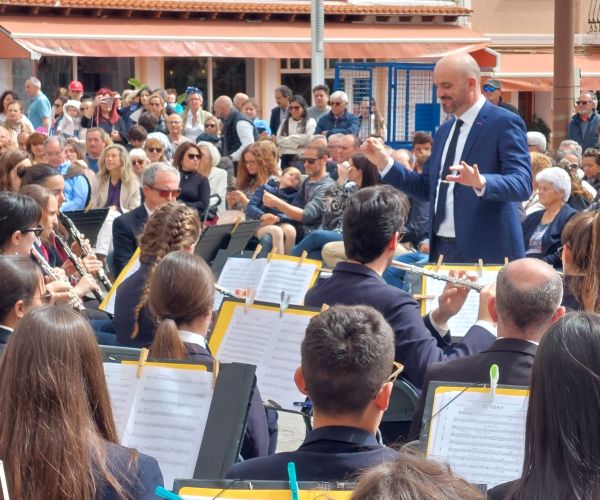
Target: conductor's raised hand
[
  {"x": 375, "y": 151},
  {"x": 467, "y": 175}
]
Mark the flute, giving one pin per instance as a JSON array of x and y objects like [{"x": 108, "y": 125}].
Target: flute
[
  {"x": 459, "y": 282},
  {"x": 85, "y": 248},
  {"x": 76, "y": 264},
  {"x": 76, "y": 301},
  {"x": 227, "y": 293}
]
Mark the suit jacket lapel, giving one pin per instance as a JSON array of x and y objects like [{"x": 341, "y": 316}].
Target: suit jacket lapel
[
  {"x": 475, "y": 131},
  {"x": 435, "y": 163}
]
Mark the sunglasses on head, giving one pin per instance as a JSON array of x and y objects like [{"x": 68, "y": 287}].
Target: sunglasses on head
[
  {"x": 165, "y": 193},
  {"x": 155, "y": 150},
  {"x": 310, "y": 161},
  {"x": 35, "y": 230},
  {"x": 489, "y": 88},
  {"x": 193, "y": 156}
]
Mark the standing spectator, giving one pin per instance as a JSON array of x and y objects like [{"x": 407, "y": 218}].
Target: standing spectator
[
  {"x": 239, "y": 99},
  {"x": 40, "y": 109},
  {"x": 172, "y": 101},
  {"x": 238, "y": 131},
  {"x": 492, "y": 90},
  {"x": 6, "y": 98},
  {"x": 195, "y": 188},
  {"x": 156, "y": 105},
  {"x": 75, "y": 90},
  {"x": 106, "y": 116},
  {"x": 339, "y": 120},
  {"x": 194, "y": 116},
  {"x": 370, "y": 120},
  {"x": 295, "y": 132},
  {"x": 96, "y": 139},
  {"x": 14, "y": 122},
  {"x": 35, "y": 147},
  {"x": 280, "y": 112},
  {"x": 137, "y": 136},
  {"x": 11, "y": 163},
  {"x": 58, "y": 110},
  {"x": 250, "y": 109},
  {"x": 422, "y": 144},
  {"x": 5, "y": 142},
  {"x": 70, "y": 123},
  {"x": 584, "y": 124},
  {"x": 175, "y": 128},
  {"x": 591, "y": 167},
  {"x": 321, "y": 100}
]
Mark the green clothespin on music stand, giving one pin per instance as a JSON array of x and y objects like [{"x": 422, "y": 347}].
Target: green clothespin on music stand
[{"x": 494, "y": 377}]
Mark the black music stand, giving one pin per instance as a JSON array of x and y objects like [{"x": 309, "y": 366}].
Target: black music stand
[{"x": 88, "y": 222}]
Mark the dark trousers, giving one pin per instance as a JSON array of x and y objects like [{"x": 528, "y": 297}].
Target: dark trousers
[{"x": 447, "y": 248}]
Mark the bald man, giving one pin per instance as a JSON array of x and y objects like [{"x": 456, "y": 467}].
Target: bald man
[
  {"x": 238, "y": 130},
  {"x": 478, "y": 168}
]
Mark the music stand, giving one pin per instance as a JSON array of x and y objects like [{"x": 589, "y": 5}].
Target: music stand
[{"x": 89, "y": 222}]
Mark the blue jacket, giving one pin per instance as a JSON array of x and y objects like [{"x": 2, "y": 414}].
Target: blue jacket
[
  {"x": 487, "y": 227},
  {"x": 551, "y": 240},
  {"x": 347, "y": 123},
  {"x": 77, "y": 189},
  {"x": 256, "y": 209},
  {"x": 590, "y": 138}
]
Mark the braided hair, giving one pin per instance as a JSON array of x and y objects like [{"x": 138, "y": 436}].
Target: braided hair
[{"x": 171, "y": 227}]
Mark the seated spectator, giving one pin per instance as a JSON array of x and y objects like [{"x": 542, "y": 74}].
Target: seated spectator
[
  {"x": 539, "y": 162},
  {"x": 411, "y": 477},
  {"x": 137, "y": 136},
  {"x": 170, "y": 227},
  {"x": 22, "y": 140},
  {"x": 106, "y": 116},
  {"x": 254, "y": 169},
  {"x": 591, "y": 167},
  {"x": 58, "y": 438},
  {"x": 373, "y": 220},
  {"x": 250, "y": 109},
  {"x": 195, "y": 188},
  {"x": 536, "y": 142},
  {"x": 542, "y": 229},
  {"x": 581, "y": 262},
  {"x": 160, "y": 184},
  {"x": 212, "y": 134},
  {"x": 12, "y": 162},
  {"x": 359, "y": 173},
  {"x": 217, "y": 170},
  {"x": 561, "y": 432},
  {"x": 582, "y": 193},
  {"x": 156, "y": 107},
  {"x": 181, "y": 301},
  {"x": 15, "y": 121},
  {"x": 273, "y": 221},
  {"x": 295, "y": 131},
  {"x": 527, "y": 302},
  {"x": 307, "y": 208},
  {"x": 339, "y": 119},
  {"x": 35, "y": 147},
  {"x": 175, "y": 128},
  {"x": 5, "y": 141},
  {"x": 139, "y": 162},
  {"x": 21, "y": 288},
  {"x": 6, "y": 98},
  {"x": 172, "y": 101},
  {"x": 96, "y": 139},
  {"x": 347, "y": 371},
  {"x": 155, "y": 150}
]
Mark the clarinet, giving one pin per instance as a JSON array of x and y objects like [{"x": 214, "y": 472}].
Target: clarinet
[
  {"x": 75, "y": 261},
  {"x": 85, "y": 248},
  {"x": 460, "y": 282},
  {"x": 76, "y": 301}
]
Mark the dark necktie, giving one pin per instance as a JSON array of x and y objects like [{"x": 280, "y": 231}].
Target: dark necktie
[{"x": 440, "y": 208}]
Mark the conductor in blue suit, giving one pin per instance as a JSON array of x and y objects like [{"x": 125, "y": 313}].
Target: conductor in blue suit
[{"x": 478, "y": 171}]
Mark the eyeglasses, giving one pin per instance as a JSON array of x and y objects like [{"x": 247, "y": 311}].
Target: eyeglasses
[
  {"x": 489, "y": 88},
  {"x": 137, "y": 161},
  {"x": 397, "y": 370},
  {"x": 210, "y": 125},
  {"x": 580, "y": 102},
  {"x": 155, "y": 104},
  {"x": 165, "y": 193},
  {"x": 310, "y": 161},
  {"x": 154, "y": 150},
  {"x": 296, "y": 108},
  {"x": 336, "y": 103},
  {"x": 35, "y": 230},
  {"x": 193, "y": 156},
  {"x": 58, "y": 104},
  {"x": 174, "y": 122}
]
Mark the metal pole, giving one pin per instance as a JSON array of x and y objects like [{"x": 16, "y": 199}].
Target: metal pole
[
  {"x": 317, "y": 28},
  {"x": 564, "y": 62}
]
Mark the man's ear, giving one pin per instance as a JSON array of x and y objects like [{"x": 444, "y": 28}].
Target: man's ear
[
  {"x": 19, "y": 308},
  {"x": 300, "y": 382},
  {"x": 560, "y": 312},
  {"x": 16, "y": 238},
  {"x": 393, "y": 243},
  {"x": 382, "y": 399},
  {"x": 492, "y": 309}
]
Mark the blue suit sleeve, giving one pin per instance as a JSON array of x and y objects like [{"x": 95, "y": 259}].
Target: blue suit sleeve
[
  {"x": 78, "y": 194},
  {"x": 409, "y": 181}
]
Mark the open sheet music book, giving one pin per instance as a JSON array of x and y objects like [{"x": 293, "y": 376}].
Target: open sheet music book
[
  {"x": 483, "y": 440},
  {"x": 261, "y": 336},
  {"x": 163, "y": 413},
  {"x": 466, "y": 318},
  {"x": 269, "y": 277}
]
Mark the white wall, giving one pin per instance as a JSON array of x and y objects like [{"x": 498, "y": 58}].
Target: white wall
[
  {"x": 542, "y": 106},
  {"x": 6, "y": 75}
]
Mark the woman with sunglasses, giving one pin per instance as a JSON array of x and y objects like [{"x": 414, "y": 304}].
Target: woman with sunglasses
[
  {"x": 195, "y": 188},
  {"x": 155, "y": 150},
  {"x": 106, "y": 116},
  {"x": 295, "y": 132},
  {"x": 139, "y": 162}
]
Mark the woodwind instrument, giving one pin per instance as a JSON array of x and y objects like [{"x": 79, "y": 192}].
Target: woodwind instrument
[
  {"x": 459, "y": 282},
  {"x": 85, "y": 248},
  {"x": 76, "y": 301},
  {"x": 227, "y": 293},
  {"x": 76, "y": 263}
]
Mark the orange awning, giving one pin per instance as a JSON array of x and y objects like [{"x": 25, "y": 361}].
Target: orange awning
[
  {"x": 118, "y": 37},
  {"x": 535, "y": 72}
]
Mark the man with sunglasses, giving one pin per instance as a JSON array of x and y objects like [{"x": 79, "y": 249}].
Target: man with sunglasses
[
  {"x": 347, "y": 370},
  {"x": 584, "y": 124},
  {"x": 339, "y": 120},
  {"x": 160, "y": 183},
  {"x": 492, "y": 90}
]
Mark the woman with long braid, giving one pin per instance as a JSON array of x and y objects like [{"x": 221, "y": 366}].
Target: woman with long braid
[{"x": 171, "y": 227}]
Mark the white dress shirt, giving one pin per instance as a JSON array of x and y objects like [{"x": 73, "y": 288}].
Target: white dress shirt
[{"x": 192, "y": 338}]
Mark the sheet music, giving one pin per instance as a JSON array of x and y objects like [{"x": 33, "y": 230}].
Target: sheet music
[
  {"x": 261, "y": 337},
  {"x": 482, "y": 440},
  {"x": 239, "y": 273},
  {"x": 286, "y": 276},
  {"x": 122, "y": 385},
  {"x": 466, "y": 318},
  {"x": 169, "y": 418}
]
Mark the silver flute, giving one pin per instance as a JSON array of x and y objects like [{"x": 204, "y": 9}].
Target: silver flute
[
  {"x": 459, "y": 282},
  {"x": 227, "y": 293},
  {"x": 47, "y": 269}
]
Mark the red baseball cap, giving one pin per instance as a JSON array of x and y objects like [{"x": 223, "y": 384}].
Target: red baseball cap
[{"x": 76, "y": 86}]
